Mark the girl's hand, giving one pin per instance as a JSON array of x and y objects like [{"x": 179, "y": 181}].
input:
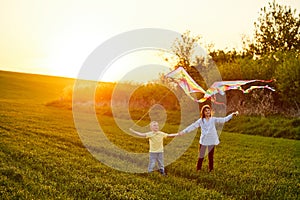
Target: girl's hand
[{"x": 236, "y": 113}]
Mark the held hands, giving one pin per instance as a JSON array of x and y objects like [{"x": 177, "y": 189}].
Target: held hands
[{"x": 180, "y": 133}]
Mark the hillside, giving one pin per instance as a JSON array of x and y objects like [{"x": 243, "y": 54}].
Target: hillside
[{"x": 42, "y": 156}]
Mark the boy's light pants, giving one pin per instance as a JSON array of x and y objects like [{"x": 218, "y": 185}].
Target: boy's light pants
[{"x": 159, "y": 158}]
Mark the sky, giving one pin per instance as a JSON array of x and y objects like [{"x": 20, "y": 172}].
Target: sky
[{"x": 56, "y": 37}]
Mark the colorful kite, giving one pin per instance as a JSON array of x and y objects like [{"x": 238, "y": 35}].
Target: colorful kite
[{"x": 189, "y": 86}]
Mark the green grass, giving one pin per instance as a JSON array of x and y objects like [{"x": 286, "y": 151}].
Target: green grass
[
  {"x": 42, "y": 156},
  {"x": 272, "y": 126}
]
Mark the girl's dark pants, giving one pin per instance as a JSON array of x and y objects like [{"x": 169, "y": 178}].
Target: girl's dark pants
[{"x": 202, "y": 149}]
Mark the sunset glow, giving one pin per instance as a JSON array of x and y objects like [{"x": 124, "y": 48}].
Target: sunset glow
[{"x": 56, "y": 37}]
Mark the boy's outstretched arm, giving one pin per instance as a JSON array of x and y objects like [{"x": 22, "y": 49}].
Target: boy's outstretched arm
[
  {"x": 173, "y": 135},
  {"x": 138, "y": 133}
]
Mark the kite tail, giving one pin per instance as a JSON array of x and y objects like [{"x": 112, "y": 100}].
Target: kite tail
[
  {"x": 266, "y": 81},
  {"x": 212, "y": 98},
  {"x": 255, "y": 87}
]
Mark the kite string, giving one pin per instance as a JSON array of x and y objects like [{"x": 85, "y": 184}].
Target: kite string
[{"x": 150, "y": 109}]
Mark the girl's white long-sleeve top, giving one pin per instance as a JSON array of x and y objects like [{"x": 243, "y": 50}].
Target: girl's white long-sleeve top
[{"x": 209, "y": 135}]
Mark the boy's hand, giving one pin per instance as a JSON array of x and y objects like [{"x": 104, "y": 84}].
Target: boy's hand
[{"x": 236, "y": 113}]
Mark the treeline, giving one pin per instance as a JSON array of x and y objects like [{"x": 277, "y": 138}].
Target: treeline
[
  {"x": 123, "y": 94},
  {"x": 282, "y": 67}
]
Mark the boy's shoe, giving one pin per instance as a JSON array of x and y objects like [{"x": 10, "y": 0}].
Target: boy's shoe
[{"x": 162, "y": 172}]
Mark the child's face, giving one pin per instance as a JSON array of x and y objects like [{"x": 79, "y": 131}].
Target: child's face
[
  {"x": 154, "y": 127},
  {"x": 207, "y": 112}
]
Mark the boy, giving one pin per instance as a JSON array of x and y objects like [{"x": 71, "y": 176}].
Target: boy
[{"x": 156, "y": 146}]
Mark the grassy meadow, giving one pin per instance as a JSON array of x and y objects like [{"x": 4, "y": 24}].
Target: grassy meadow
[{"x": 42, "y": 156}]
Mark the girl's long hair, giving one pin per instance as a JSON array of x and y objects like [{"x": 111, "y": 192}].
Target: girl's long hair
[{"x": 202, "y": 111}]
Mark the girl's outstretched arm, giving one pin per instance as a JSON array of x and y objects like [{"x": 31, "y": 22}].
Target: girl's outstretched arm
[
  {"x": 138, "y": 133},
  {"x": 190, "y": 128},
  {"x": 227, "y": 118}
]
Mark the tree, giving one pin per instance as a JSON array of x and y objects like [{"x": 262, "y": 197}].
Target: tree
[
  {"x": 190, "y": 56},
  {"x": 184, "y": 48},
  {"x": 277, "y": 29},
  {"x": 221, "y": 57},
  {"x": 287, "y": 76}
]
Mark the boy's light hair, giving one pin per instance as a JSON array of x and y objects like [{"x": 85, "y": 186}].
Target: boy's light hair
[{"x": 152, "y": 123}]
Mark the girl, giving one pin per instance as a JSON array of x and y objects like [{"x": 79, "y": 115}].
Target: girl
[{"x": 209, "y": 137}]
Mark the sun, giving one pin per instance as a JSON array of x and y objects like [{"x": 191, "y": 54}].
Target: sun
[
  {"x": 67, "y": 53},
  {"x": 138, "y": 66}
]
